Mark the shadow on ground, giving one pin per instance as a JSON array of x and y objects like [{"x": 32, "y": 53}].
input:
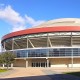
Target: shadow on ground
[
  {"x": 74, "y": 73},
  {"x": 47, "y": 77}
]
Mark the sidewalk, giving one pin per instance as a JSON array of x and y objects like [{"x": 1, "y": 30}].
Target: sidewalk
[{"x": 39, "y": 74}]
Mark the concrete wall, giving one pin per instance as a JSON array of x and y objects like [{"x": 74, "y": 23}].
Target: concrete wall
[
  {"x": 22, "y": 63},
  {"x": 76, "y": 62},
  {"x": 59, "y": 62},
  {"x": 19, "y": 63},
  {"x": 65, "y": 62},
  {"x": 55, "y": 62}
]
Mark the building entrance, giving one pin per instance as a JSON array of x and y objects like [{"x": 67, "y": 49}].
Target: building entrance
[{"x": 40, "y": 64}]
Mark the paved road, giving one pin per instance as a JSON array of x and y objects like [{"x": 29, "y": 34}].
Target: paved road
[
  {"x": 63, "y": 77},
  {"x": 59, "y": 76},
  {"x": 46, "y": 77},
  {"x": 36, "y": 74}
]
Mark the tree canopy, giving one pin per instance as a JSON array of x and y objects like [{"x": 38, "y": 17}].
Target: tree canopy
[{"x": 7, "y": 58}]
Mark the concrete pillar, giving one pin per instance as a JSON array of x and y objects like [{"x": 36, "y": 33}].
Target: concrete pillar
[
  {"x": 4, "y": 46},
  {"x": 26, "y": 63},
  {"x": 1, "y": 48},
  {"x": 71, "y": 39},
  {"x": 3, "y": 65},
  {"x": 47, "y": 62},
  {"x": 13, "y": 44},
  {"x": 72, "y": 62},
  {"x": 11, "y": 65}
]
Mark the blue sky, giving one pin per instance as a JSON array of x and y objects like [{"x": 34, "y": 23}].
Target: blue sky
[
  {"x": 42, "y": 10},
  {"x": 21, "y": 14}
]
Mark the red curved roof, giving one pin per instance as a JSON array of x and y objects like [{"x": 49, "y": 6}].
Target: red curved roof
[{"x": 42, "y": 30}]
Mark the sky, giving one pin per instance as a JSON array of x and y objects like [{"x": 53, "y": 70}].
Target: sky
[{"x": 22, "y": 14}]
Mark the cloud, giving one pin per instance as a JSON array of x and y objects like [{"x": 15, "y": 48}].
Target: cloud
[
  {"x": 12, "y": 17},
  {"x": 18, "y": 28},
  {"x": 16, "y": 21},
  {"x": 33, "y": 22}
]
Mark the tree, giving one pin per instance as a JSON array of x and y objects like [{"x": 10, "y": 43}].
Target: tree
[
  {"x": 1, "y": 59},
  {"x": 8, "y": 58}
]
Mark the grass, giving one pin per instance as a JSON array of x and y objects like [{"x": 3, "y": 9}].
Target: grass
[
  {"x": 3, "y": 70},
  {"x": 74, "y": 73}
]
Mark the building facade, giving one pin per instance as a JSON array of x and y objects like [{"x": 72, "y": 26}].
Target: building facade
[{"x": 55, "y": 43}]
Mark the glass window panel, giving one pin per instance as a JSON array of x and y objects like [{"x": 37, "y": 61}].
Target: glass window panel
[
  {"x": 43, "y": 53},
  {"x": 62, "y": 52},
  {"x": 51, "y": 52},
  {"x": 75, "y": 51},
  {"x": 56, "y": 52},
  {"x": 68, "y": 51}
]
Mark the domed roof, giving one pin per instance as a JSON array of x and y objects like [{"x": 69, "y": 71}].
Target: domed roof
[
  {"x": 57, "y": 25},
  {"x": 60, "y": 22}
]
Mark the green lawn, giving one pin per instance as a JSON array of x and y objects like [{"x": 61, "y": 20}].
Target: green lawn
[
  {"x": 74, "y": 73},
  {"x": 3, "y": 70}
]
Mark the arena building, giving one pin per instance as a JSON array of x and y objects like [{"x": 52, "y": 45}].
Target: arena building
[{"x": 55, "y": 43}]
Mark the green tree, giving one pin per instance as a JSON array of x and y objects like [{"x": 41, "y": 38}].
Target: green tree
[
  {"x": 1, "y": 59},
  {"x": 8, "y": 58}
]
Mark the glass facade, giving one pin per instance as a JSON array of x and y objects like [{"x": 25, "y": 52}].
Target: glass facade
[{"x": 50, "y": 52}]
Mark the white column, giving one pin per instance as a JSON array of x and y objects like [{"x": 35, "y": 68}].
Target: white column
[
  {"x": 27, "y": 54},
  {"x": 40, "y": 64},
  {"x": 47, "y": 41},
  {"x": 11, "y": 65},
  {"x": 3, "y": 65},
  {"x": 71, "y": 39},
  {"x": 71, "y": 52},
  {"x": 4, "y": 45},
  {"x": 1, "y": 48},
  {"x": 26, "y": 63},
  {"x": 27, "y": 41},
  {"x": 47, "y": 62},
  {"x": 12, "y": 43}
]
